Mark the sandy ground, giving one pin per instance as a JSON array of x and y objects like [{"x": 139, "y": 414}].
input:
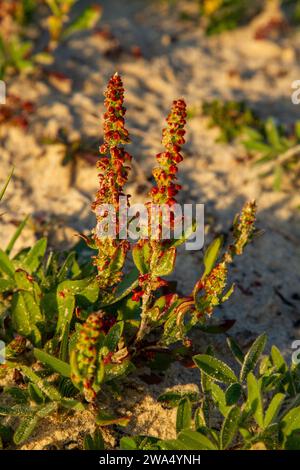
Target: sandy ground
[{"x": 176, "y": 60}]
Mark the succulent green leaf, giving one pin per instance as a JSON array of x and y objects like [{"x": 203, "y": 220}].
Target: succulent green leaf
[
  {"x": 86, "y": 20},
  {"x": 236, "y": 350},
  {"x": 278, "y": 359},
  {"x": 211, "y": 255},
  {"x": 163, "y": 265},
  {"x": 254, "y": 401},
  {"x": 141, "y": 254},
  {"x": 253, "y": 356},
  {"x": 6, "y": 266},
  {"x": 94, "y": 442},
  {"x": 184, "y": 415},
  {"x": 191, "y": 440},
  {"x": 230, "y": 427},
  {"x": 48, "y": 389},
  {"x": 233, "y": 394},
  {"x": 57, "y": 365},
  {"x": 6, "y": 285},
  {"x": 35, "y": 256},
  {"x": 291, "y": 421},
  {"x": 105, "y": 419},
  {"x": 113, "y": 336},
  {"x": 25, "y": 429},
  {"x": 173, "y": 398},
  {"x": 215, "y": 368},
  {"x": 273, "y": 409}
]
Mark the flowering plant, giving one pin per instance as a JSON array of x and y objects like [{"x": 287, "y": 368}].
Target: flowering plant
[{"x": 84, "y": 322}]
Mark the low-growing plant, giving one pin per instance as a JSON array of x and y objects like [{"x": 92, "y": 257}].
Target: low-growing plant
[
  {"x": 231, "y": 117},
  {"x": 268, "y": 142},
  {"x": 235, "y": 411},
  {"x": 17, "y": 50},
  {"x": 223, "y": 15},
  {"x": 83, "y": 320}
]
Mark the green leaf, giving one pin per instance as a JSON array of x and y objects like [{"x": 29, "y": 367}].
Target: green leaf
[
  {"x": 291, "y": 421},
  {"x": 2, "y": 191},
  {"x": 112, "y": 371},
  {"x": 219, "y": 398},
  {"x": 254, "y": 401},
  {"x": 66, "y": 306},
  {"x": 184, "y": 415},
  {"x": 253, "y": 356},
  {"x": 233, "y": 394},
  {"x": 272, "y": 133},
  {"x": 236, "y": 350},
  {"x": 47, "y": 409},
  {"x": 72, "y": 404},
  {"x": 173, "y": 398},
  {"x": 35, "y": 394},
  {"x": 141, "y": 254},
  {"x": 59, "y": 366},
  {"x": 273, "y": 409},
  {"x": 186, "y": 235},
  {"x": 16, "y": 410},
  {"x": 211, "y": 255},
  {"x": 105, "y": 419},
  {"x": 25, "y": 315},
  {"x": 292, "y": 442},
  {"x": 35, "y": 255},
  {"x": 16, "y": 235},
  {"x": 113, "y": 336},
  {"x": 128, "y": 443},
  {"x": 6, "y": 265},
  {"x": 6, "y": 284},
  {"x": 44, "y": 386},
  {"x": 215, "y": 368},
  {"x": 94, "y": 442},
  {"x": 19, "y": 395},
  {"x": 199, "y": 418},
  {"x": 86, "y": 20},
  {"x": 163, "y": 264},
  {"x": 230, "y": 427},
  {"x": 128, "y": 283},
  {"x": 25, "y": 429},
  {"x": 195, "y": 441},
  {"x": 278, "y": 359},
  {"x": 66, "y": 267}
]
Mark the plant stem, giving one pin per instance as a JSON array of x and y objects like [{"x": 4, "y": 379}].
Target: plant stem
[{"x": 143, "y": 325}]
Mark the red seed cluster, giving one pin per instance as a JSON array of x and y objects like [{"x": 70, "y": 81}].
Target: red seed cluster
[
  {"x": 113, "y": 175},
  {"x": 166, "y": 188},
  {"x": 113, "y": 165}
]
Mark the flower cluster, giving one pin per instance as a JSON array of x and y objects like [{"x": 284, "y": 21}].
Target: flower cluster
[
  {"x": 84, "y": 357},
  {"x": 113, "y": 175},
  {"x": 243, "y": 228},
  {"x": 213, "y": 286},
  {"x": 166, "y": 188}
]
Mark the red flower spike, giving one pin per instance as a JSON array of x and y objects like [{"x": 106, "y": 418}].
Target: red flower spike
[
  {"x": 114, "y": 168},
  {"x": 172, "y": 139}
]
